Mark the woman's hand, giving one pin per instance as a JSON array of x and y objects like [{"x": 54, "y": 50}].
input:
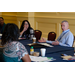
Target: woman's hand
[{"x": 24, "y": 29}]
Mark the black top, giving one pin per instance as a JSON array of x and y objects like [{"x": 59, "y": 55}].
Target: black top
[{"x": 27, "y": 33}]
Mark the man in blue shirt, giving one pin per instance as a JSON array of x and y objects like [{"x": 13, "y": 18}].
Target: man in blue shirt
[
  {"x": 2, "y": 25},
  {"x": 65, "y": 39}
]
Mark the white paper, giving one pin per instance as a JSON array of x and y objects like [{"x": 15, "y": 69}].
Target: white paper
[
  {"x": 46, "y": 44},
  {"x": 39, "y": 59}
]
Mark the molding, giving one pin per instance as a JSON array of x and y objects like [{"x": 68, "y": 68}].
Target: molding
[
  {"x": 15, "y": 16},
  {"x": 54, "y": 17},
  {"x": 49, "y": 17},
  {"x": 10, "y": 15}
]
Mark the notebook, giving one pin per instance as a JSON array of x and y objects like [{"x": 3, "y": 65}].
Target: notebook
[
  {"x": 37, "y": 45},
  {"x": 21, "y": 38}
]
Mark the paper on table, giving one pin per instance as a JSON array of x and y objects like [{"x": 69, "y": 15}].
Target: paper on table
[
  {"x": 40, "y": 59},
  {"x": 29, "y": 44},
  {"x": 66, "y": 57},
  {"x": 46, "y": 44},
  {"x": 21, "y": 38}
]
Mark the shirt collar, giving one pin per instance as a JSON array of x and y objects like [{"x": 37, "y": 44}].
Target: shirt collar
[{"x": 66, "y": 30}]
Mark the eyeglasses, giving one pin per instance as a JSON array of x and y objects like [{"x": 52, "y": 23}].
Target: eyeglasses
[{"x": 25, "y": 24}]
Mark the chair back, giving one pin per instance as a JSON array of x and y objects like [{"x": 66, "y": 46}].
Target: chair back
[
  {"x": 73, "y": 41},
  {"x": 37, "y": 34},
  {"x": 52, "y": 36}
]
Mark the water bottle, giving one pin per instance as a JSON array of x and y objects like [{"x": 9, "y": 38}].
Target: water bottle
[
  {"x": 31, "y": 34},
  {"x": 31, "y": 50}
]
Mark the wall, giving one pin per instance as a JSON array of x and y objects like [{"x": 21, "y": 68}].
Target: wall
[
  {"x": 9, "y": 17},
  {"x": 51, "y": 21},
  {"x": 0, "y": 13},
  {"x": 20, "y": 17},
  {"x": 44, "y": 21},
  {"x": 14, "y": 17}
]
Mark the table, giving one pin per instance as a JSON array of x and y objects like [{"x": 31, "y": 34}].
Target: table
[{"x": 54, "y": 52}]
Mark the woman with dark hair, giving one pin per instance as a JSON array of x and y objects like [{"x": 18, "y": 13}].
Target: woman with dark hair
[
  {"x": 26, "y": 31},
  {"x": 13, "y": 51}
]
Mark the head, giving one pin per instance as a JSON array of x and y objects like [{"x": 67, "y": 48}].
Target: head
[
  {"x": 26, "y": 24},
  {"x": 1, "y": 21},
  {"x": 11, "y": 33},
  {"x": 64, "y": 25}
]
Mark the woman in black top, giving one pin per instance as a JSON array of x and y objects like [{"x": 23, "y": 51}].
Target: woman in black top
[{"x": 26, "y": 31}]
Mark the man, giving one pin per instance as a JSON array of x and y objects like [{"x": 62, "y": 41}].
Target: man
[
  {"x": 2, "y": 25},
  {"x": 65, "y": 39}
]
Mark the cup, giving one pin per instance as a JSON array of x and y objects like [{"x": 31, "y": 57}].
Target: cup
[
  {"x": 43, "y": 51},
  {"x": 36, "y": 53},
  {"x": 34, "y": 40}
]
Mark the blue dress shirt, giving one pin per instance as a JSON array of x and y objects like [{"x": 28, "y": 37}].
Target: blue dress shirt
[{"x": 65, "y": 39}]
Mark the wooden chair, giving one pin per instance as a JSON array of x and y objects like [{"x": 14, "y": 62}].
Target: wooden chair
[
  {"x": 37, "y": 34},
  {"x": 52, "y": 36},
  {"x": 73, "y": 41}
]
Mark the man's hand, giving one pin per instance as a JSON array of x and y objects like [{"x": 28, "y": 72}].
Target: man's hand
[
  {"x": 42, "y": 40},
  {"x": 55, "y": 43}
]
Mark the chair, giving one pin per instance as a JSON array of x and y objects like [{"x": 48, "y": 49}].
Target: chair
[
  {"x": 52, "y": 36},
  {"x": 37, "y": 34},
  {"x": 73, "y": 42}
]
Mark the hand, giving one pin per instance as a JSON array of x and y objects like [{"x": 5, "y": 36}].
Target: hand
[
  {"x": 24, "y": 29},
  {"x": 42, "y": 40},
  {"x": 55, "y": 43}
]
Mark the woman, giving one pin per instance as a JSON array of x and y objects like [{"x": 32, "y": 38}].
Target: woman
[
  {"x": 13, "y": 51},
  {"x": 26, "y": 31},
  {"x": 2, "y": 25}
]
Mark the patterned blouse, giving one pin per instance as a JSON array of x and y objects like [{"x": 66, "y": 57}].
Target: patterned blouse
[{"x": 14, "y": 51}]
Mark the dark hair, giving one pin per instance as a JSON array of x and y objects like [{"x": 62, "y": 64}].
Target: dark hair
[
  {"x": 22, "y": 26},
  {"x": 2, "y": 18},
  {"x": 11, "y": 33},
  {"x": 64, "y": 21}
]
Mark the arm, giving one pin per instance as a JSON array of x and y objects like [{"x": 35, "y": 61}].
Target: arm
[
  {"x": 26, "y": 58},
  {"x": 23, "y": 31},
  {"x": 69, "y": 41},
  {"x": 22, "y": 53}
]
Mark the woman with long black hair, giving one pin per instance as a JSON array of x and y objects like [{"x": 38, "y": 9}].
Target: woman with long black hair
[{"x": 26, "y": 30}]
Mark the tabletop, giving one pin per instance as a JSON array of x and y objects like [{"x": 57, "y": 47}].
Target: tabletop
[{"x": 54, "y": 52}]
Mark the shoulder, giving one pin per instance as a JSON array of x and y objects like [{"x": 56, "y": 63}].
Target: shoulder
[
  {"x": 31, "y": 28},
  {"x": 20, "y": 44},
  {"x": 70, "y": 33},
  {"x": 4, "y": 24}
]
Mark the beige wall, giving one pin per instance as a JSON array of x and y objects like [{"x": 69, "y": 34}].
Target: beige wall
[
  {"x": 9, "y": 17},
  {"x": 14, "y": 17},
  {"x": 44, "y": 21},
  {"x": 51, "y": 21}
]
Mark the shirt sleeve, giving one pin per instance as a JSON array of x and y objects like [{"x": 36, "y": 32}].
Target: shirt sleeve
[
  {"x": 68, "y": 42},
  {"x": 49, "y": 41},
  {"x": 21, "y": 51}
]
